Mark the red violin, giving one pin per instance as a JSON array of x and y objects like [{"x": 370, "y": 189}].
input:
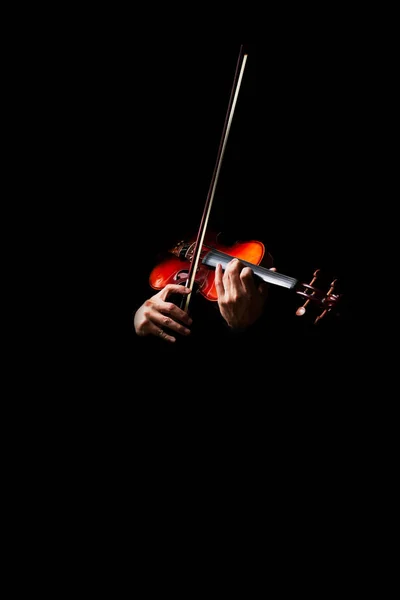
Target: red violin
[{"x": 175, "y": 269}]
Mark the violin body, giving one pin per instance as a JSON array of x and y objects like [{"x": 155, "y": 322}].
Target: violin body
[{"x": 174, "y": 270}]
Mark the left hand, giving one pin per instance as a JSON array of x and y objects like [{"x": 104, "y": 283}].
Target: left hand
[{"x": 241, "y": 299}]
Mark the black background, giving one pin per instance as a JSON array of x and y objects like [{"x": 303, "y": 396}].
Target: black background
[
  {"x": 134, "y": 125},
  {"x": 300, "y": 168},
  {"x": 140, "y": 126},
  {"x": 295, "y": 172}
]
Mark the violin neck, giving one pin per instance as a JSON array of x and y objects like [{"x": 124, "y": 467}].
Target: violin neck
[{"x": 213, "y": 257}]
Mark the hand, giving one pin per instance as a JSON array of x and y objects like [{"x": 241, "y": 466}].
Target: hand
[
  {"x": 156, "y": 313},
  {"x": 241, "y": 299}
]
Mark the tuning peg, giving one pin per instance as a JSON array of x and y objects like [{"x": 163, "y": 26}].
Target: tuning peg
[
  {"x": 326, "y": 300},
  {"x": 302, "y": 309}
]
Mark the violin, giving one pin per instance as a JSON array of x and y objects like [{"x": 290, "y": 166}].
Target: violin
[{"x": 175, "y": 269}]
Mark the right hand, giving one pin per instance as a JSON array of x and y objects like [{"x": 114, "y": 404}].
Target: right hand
[{"x": 157, "y": 314}]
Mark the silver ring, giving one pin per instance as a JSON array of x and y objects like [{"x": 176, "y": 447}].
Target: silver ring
[{"x": 161, "y": 333}]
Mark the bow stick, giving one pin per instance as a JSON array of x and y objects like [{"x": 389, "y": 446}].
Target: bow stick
[{"x": 240, "y": 66}]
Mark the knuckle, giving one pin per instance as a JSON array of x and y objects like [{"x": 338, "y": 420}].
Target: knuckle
[
  {"x": 167, "y": 321},
  {"x": 246, "y": 273},
  {"x": 233, "y": 298},
  {"x": 232, "y": 265},
  {"x": 146, "y": 312}
]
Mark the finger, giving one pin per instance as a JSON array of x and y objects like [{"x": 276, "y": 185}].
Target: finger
[
  {"x": 219, "y": 286},
  {"x": 172, "y": 288},
  {"x": 170, "y": 308},
  {"x": 273, "y": 269},
  {"x": 231, "y": 279},
  {"x": 263, "y": 289},
  {"x": 168, "y": 324},
  {"x": 247, "y": 278},
  {"x": 172, "y": 313},
  {"x": 163, "y": 335}
]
